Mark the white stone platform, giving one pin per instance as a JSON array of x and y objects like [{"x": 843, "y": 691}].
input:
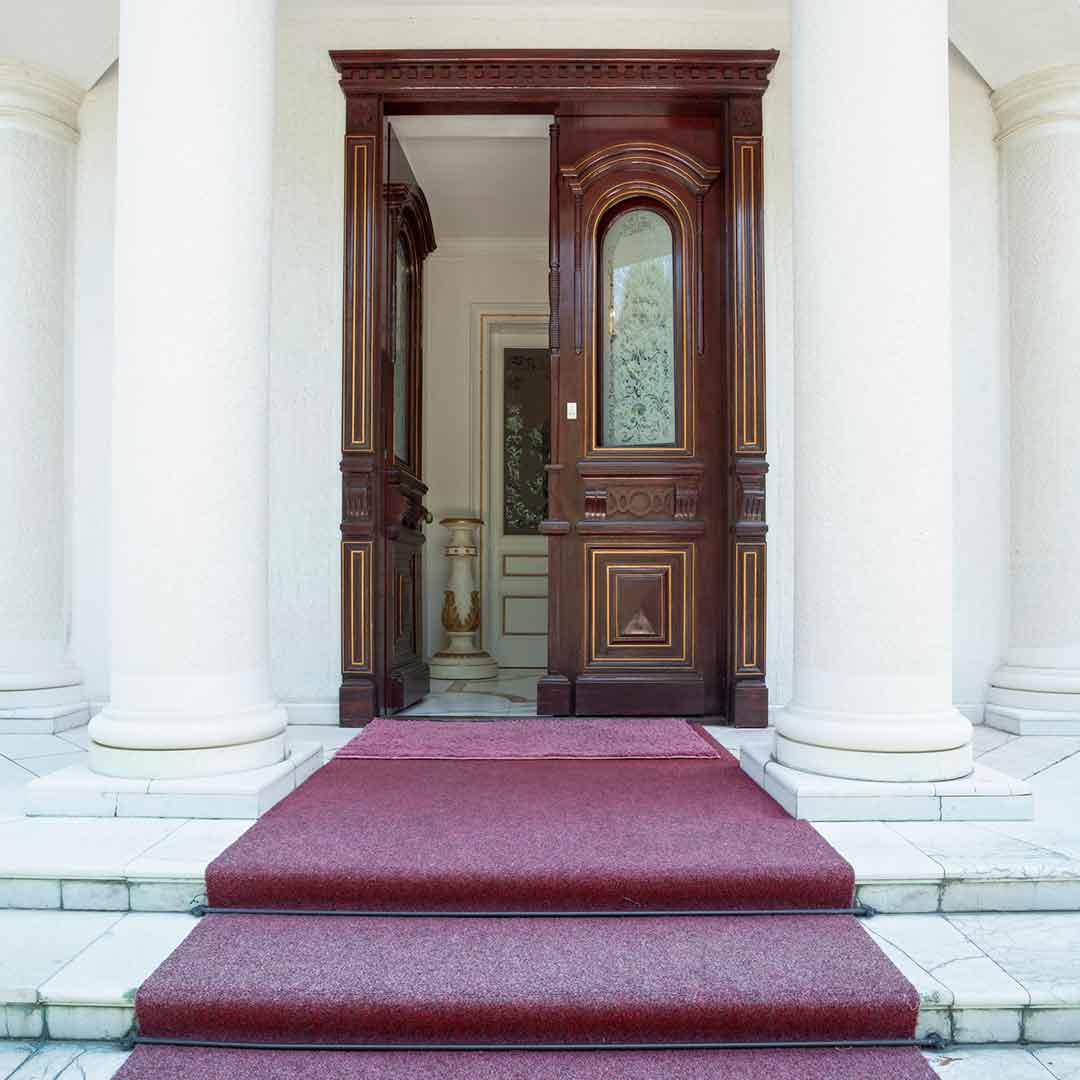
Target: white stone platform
[
  {"x": 45, "y": 719},
  {"x": 986, "y": 795},
  {"x": 78, "y": 792}
]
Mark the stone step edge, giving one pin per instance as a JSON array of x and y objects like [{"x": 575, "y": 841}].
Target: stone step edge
[
  {"x": 1015, "y": 1015},
  {"x": 953, "y": 895}
]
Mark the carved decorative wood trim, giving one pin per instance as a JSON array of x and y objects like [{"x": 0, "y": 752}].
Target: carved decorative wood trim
[
  {"x": 356, "y": 576},
  {"x": 648, "y": 157},
  {"x": 747, "y": 309},
  {"x": 748, "y": 695},
  {"x": 692, "y": 123},
  {"x": 523, "y": 76}
]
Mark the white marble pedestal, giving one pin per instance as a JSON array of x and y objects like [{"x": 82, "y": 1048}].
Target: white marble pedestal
[{"x": 462, "y": 657}]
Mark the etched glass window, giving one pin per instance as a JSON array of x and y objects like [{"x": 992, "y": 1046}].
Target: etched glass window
[
  {"x": 402, "y": 348},
  {"x": 638, "y": 332}
]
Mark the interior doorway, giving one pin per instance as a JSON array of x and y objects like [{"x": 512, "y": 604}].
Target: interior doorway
[{"x": 651, "y": 196}]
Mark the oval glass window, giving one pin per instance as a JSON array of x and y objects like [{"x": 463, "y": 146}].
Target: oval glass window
[
  {"x": 637, "y": 368},
  {"x": 402, "y": 347}
]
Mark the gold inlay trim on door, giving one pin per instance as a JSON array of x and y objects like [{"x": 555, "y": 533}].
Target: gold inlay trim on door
[
  {"x": 685, "y": 555},
  {"x": 356, "y": 427}
]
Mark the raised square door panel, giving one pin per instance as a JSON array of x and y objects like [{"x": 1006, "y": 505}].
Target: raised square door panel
[{"x": 640, "y": 609}]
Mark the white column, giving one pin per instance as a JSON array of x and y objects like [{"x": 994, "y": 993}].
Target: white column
[
  {"x": 1038, "y": 690},
  {"x": 873, "y": 548},
  {"x": 190, "y": 688},
  {"x": 40, "y": 687}
]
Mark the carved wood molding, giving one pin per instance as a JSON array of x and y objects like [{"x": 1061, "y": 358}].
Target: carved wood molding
[
  {"x": 648, "y": 156},
  {"x": 450, "y": 73},
  {"x": 408, "y": 209}
]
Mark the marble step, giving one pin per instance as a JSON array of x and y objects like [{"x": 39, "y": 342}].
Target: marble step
[
  {"x": 152, "y": 864},
  {"x": 61, "y": 1060},
  {"x": 987, "y": 978}
]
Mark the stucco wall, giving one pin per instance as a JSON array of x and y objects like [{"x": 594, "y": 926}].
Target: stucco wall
[
  {"x": 90, "y": 406},
  {"x": 306, "y": 329},
  {"x": 980, "y": 394}
]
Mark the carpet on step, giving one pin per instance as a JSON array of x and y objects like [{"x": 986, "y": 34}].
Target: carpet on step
[
  {"x": 436, "y": 835},
  {"x": 193, "y": 1063},
  {"x": 531, "y": 737},
  {"x": 349, "y": 979}
]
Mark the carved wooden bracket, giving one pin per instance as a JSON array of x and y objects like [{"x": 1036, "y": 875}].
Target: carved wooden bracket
[
  {"x": 596, "y": 503},
  {"x": 750, "y": 495}
]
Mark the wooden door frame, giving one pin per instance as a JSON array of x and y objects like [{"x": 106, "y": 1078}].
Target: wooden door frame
[{"x": 726, "y": 84}]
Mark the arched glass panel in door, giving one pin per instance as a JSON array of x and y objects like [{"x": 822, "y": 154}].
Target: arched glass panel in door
[{"x": 637, "y": 334}]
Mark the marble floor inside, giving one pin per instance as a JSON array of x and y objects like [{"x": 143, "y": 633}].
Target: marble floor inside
[{"x": 511, "y": 693}]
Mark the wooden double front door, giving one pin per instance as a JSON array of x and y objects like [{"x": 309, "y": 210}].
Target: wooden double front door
[{"x": 655, "y": 520}]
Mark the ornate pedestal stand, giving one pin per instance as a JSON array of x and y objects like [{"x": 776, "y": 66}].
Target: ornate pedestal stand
[{"x": 462, "y": 658}]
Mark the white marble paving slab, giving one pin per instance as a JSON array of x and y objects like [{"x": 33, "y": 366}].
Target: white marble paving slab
[
  {"x": 47, "y": 1063},
  {"x": 38, "y": 944},
  {"x": 1039, "y": 950},
  {"x": 1062, "y": 1062},
  {"x": 115, "y": 964},
  {"x": 95, "y": 1063},
  {"x": 1024, "y": 757},
  {"x": 31, "y": 745},
  {"x": 185, "y": 852},
  {"x": 68, "y": 848},
  {"x": 43, "y": 766},
  {"x": 80, "y": 736},
  {"x": 968, "y": 850},
  {"x": 985, "y": 739},
  {"x": 942, "y": 951},
  {"x": 879, "y": 852},
  {"x": 987, "y": 1063},
  {"x": 12, "y": 1055}
]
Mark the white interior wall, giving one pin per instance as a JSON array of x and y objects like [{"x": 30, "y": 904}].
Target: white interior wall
[
  {"x": 461, "y": 274},
  {"x": 306, "y": 328},
  {"x": 980, "y": 394}
]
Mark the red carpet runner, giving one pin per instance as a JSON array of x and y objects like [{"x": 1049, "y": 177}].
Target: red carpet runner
[{"x": 499, "y": 826}]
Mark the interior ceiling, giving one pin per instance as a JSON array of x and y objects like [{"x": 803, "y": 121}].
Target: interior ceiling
[{"x": 484, "y": 176}]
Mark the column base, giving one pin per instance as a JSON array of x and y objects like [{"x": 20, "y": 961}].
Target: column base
[
  {"x": 78, "y": 792},
  {"x": 984, "y": 795},
  {"x": 150, "y": 746},
  {"x": 891, "y": 748},
  {"x": 1034, "y": 701},
  {"x": 43, "y": 712},
  {"x": 452, "y": 665}
]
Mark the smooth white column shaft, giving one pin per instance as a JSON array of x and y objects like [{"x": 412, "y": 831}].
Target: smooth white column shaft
[
  {"x": 873, "y": 556},
  {"x": 190, "y": 688},
  {"x": 38, "y": 116},
  {"x": 1039, "y": 134}
]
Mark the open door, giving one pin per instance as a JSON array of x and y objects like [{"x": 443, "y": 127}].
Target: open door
[
  {"x": 644, "y": 455},
  {"x": 383, "y": 663}
]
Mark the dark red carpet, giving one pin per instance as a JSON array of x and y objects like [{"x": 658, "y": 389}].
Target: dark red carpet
[
  {"x": 190, "y": 1063},
  {"x": 561, "y": 835},
  {"x": 531, "y": 737},
  {"x": 697, "y": 979},
  {"x": 491, "y": 835}
]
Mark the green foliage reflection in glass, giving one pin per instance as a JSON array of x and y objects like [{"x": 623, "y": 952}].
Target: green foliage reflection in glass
[
  {"x": 402, "y": 334},
  {"x": 638, "y": 332},
  {"x": 526, "y": 439}
]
